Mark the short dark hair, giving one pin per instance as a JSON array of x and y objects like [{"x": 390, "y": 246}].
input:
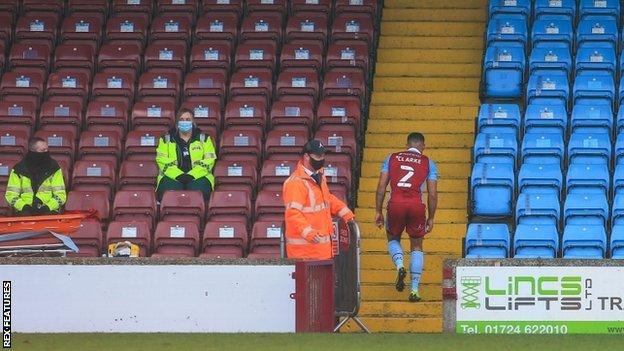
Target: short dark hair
[
  {"x": 32, "y": 142},
  {"x": 415, "y": 137},
  {"x": 184, "y": 110}
]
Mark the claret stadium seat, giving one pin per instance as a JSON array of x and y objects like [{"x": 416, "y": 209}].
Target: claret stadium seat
[
  {"x": 176, "y": 239},
  {"x": 224, "y": 239},
  {"x": 136, "y": 232}
]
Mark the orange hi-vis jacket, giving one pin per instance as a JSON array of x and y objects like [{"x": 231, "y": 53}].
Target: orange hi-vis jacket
[{"x": 309, "y": 211}]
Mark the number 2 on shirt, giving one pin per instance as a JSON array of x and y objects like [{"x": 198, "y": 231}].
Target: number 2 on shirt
[{"x": 404, "y": 182}]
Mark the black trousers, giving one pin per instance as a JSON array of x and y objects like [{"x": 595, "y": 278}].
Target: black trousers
[{"x": 201, "y": 184}]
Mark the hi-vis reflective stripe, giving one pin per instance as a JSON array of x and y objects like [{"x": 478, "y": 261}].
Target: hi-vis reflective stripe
[
  {"x": 295, "y": 205},
  {"x": 300, "y": 207},
  {"x": 344, "y": 211},
  {"x": 210, "y": 155},
  {"x": 51, "y": 188},
  {"x": 323, "y": 240},
  {"x": 311, "y": 196},
  {"x": 14, "y": 189}
]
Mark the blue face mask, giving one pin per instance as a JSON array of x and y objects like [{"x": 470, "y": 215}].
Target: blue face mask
[{"x": 185, "y": 126}]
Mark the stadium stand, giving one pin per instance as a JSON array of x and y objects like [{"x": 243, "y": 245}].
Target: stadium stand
[
  {"x": 101, "y": 82},
  {"x": 568, "y": 201}
]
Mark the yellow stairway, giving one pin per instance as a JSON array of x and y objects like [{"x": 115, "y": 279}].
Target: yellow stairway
[{"x": 427, "y": 80}]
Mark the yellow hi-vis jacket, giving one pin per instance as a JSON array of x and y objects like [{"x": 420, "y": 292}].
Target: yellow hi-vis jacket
[
  {"x": 202, "y": 152},
  {"x": 309, "y": 210},
  {"x": 51, "y": 191}
]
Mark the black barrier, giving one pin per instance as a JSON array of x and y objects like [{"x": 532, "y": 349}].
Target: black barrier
[{"x": 346, "y": 243}]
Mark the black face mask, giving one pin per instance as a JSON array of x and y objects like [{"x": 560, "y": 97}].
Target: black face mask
[
  {"x": 317, "y": 164},
  {"x": 37, "y": 160}
]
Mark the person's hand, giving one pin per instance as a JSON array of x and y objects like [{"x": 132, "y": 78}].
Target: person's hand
[
  {"x": 379, "y": 219},
  {"x": 429, "y": 225},
  {"x": 317, "y": 238},
  {"x": 185, "y": 178}
]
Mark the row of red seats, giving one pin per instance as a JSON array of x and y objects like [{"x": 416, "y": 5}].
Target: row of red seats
[
  {"x": 220, "y": 239},
  {"x": 283, "y": 7},
  {"x": 230, "y": 173},
  {"x": 47, "y": 27},
  {"x": 204, "y": 56}
]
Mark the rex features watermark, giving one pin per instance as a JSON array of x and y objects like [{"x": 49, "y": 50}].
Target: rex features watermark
[{"x": 6, "y": 314}]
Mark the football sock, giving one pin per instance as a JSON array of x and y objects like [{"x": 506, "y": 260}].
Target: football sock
[
  {"x": 416, "y": 267},
  {"x": 396, "y": 253}
]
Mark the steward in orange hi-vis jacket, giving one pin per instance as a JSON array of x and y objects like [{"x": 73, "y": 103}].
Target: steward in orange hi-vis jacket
[{"x": 310, "y": 207}]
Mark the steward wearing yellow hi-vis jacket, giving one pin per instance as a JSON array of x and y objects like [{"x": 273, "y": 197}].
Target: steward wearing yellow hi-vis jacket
[
  {"x": 185, "y": 158},
  {"x": 36, "y": 185}
]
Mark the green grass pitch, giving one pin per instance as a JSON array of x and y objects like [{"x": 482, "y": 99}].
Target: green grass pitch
[{"x": 317, "y": 342}]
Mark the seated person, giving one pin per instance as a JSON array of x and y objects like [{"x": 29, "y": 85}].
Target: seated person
[
  {"x": 185, "y": 158},
  {"x": 36, "y": 185}
]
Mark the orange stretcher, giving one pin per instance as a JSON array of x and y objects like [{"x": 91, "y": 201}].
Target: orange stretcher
[{"x": 66, "y": 223}]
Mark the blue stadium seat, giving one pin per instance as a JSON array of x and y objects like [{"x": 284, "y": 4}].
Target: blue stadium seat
[
  {"x": 618, "y": 179},
  {"x": 594, "y": 88},
  {"x": 617, "y": 242},
  {"x": 620, "y": 98},
  {"x": 589, "y": 58},
  {"x": 620, "y": 118},
  {"x": 499, "y": 118},
  {"x": 617, "y": 210},
  {"x": 619, "y": 149},
  {"x": 590, "y": 148},
  {"x": 551, "y": 88},
  {"x": 545, "y": 118},
  {"x": 507, "y": 29},
  {"x": 597, "y": 29},
  {"x": 492, "y": 181},
  {"x": 536, "y": 241},
  {"x": 496, "y": 148},
  {"x": 599, "y": 8},
  {"x": 503, "y": 69},
  {"x": 517, "y": 7},
  {"x": 584, "y": 241},
  {"x": 540, "y": 179},
  {"x": 592, "y": 119},
  {"x": 550, "y": 59},
  {"x": 588, "y": 179},
  {"x": 586, "y": 209},
  {"x": 565, "y": 9},
  {"x": 543, "y": 148},
  {"x": 552, "y": 33},
  {"x": 539, "y": 209},
  {"x": 485, "y": 240}
]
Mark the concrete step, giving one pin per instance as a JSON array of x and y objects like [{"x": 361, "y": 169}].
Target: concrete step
[
  {"x": 427, "y": 15},
  {"x": 440, "y": 28},
  {"x": 446, "y": 170},
  {"x": 431, "y": 42},
  {"x": 433, "y": 140},
  {"x": 387, "y": 292},
  {"x": 377, "y": 276},
  {"x": 445, "y": 200},
  {"x": 439, "y": 155},
  {"x": 408, "y": 84},
  {"x": 412, "y": 324},
  {"x": 442, "y": 215},
  {"x": 430, "y": 56},
  {"x": 436, "y": 4},
  {"x": 378, "y": 125},
  {"x": 401, "y": 309},
  {"x": 440, "y": 231},
  {"x": 431, "y": 245},
  {"x": 450, "y": 70},
  {"x": 420, "y": 113},
  {"x": 425, "y": 98}
]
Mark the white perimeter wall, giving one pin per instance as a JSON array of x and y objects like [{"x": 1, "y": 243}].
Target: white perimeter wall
[{"x": 151, "y": 298}]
